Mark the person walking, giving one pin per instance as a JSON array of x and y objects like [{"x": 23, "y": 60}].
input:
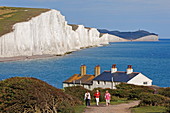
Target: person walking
[
  {"x": 97, "y": 96},
  {"x": 87, "y": 98},
  {"x": 107, "y": 98}
]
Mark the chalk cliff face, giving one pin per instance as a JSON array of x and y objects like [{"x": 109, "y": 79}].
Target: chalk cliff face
[
  {"x": 48, "y": 33},
  {"x": 113, "y": 38},
  {"x": 148, "y": 38}
]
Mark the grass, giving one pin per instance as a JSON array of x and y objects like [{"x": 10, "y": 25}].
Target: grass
[
  {"x": 149, "y": 109},
  {"x": 79, "y": 109},
  {"x": 11, "y": 15}
]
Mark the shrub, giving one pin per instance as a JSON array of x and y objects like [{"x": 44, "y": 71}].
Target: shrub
[
  {"x": 168, "y": 105},
  {"x": 134, "y": 93},
  {"x": 120, "y": 93},
  {"x": 125, "y": 86},
  {"x": 131, "y": 91},
  {"x": 77, "y": 91},
  {"x": 22, "y": 94},
  {"x": 131, "y": 86},
  {"x": 164, "y": 91},
  {"x": 149, "y": 99},
  {"x": 114, "y": 98}
]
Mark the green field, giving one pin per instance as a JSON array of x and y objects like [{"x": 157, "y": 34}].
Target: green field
[{"x": 11, "y": 15}]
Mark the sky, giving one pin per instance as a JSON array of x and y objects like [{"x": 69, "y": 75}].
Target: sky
[{"x": 122, "y": 15}]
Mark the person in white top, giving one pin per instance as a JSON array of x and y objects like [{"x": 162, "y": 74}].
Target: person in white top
[{"x": 87, "y": 98}]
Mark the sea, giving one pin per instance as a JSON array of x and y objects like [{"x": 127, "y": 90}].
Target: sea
[{"x": 150, "y": 58}]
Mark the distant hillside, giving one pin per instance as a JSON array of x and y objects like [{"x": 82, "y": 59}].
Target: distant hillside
[
  {"x": 30, "y": 95},
  {"x": 128, "y": 35},
  {"x": 11, "y": 15}
]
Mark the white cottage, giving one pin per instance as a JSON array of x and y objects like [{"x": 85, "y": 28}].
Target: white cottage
[{"x": 107, "y": 79}]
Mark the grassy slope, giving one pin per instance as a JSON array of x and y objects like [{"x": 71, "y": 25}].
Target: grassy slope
[{"x": 11, "y": 15}]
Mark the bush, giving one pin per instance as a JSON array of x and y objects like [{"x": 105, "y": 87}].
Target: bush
[
  {"x": 164, "y": 91},
  {"x": 114, "y": 98},
  {"x": 121, "y": 93},
  {"x": 131, "y": 86},
  {"x": 22, "y": 94},
  {"x": 77, "y": 91},
  {"x": 149, "y": 99},
  {"x": 131, "y": 91},
  {"x": 126, "y": 86},
  {"x": 168, "y": 105}
]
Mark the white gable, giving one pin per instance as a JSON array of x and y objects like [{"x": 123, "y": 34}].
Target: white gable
[{"x": 140, "y": 79}]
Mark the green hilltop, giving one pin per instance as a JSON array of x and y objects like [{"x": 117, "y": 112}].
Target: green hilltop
[{"x": 11, "y": 15}]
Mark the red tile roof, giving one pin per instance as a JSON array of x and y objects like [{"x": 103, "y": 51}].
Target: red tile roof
[{"x": 78, "y": 79}]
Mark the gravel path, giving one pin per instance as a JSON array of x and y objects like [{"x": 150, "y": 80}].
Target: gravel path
[{"x": 120, "y": 108}]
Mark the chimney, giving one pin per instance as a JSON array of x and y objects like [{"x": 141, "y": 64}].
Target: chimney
[
  {"x": 83, "y": 70},
  {"x": 129, "y": 69},
  {"x": 97, "y": 70},
  {"x": 113, "y": 69}
]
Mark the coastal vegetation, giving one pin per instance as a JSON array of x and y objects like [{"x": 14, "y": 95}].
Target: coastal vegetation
[
  {"x": 150, "y": 98},
  {"x": 11, "y": 15},
  {"x": 29, "y": 95}
]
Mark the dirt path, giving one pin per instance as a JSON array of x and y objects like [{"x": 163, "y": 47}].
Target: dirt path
[{"x": 120, "y": 108}]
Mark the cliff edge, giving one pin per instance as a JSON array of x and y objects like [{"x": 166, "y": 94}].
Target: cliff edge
[
  {"x": 35, "y": 32},
  {"x": 48, "y": 34}
]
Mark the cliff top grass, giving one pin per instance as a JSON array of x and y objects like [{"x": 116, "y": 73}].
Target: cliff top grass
[
  {"x": 74, "y": 26},
  {"x": 12, "y": 15}
]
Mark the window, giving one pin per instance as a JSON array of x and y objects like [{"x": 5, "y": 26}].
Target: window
[
  {"x": 98, "y": 82},
  {"x": 89, "y": 86},
  {"x": 145, "y": 83}
]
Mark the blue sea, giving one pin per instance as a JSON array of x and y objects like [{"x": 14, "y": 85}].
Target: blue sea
[{"x": 150, "y": 58}]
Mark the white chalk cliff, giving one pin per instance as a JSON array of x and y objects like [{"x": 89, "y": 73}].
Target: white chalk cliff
[
  {"x": 148, "y": 38},
  {"x": 114, "y": 38},
  {"x": 50, "y": 34}
]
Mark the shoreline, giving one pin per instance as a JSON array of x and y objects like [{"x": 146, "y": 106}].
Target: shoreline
[
  {"x": 44, "y": 56},
  {"x": 23, "y": 58}
]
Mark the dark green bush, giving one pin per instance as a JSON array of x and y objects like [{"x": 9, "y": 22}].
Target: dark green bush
[
  {"x": 131, "y": 91},
  {"x": 77, "y": 92},
  {"x": 164, "y": 91},
  {"x": 134, "y": 93},
  {"x": 120, "y": 93},
  {"x": 131, "y": 86},
  {"x": 126, "y": 86},
  {"x": 149, "y": 99},
  {"x": 21, "y": 94},
  {"x": 168, "y": 105}
]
